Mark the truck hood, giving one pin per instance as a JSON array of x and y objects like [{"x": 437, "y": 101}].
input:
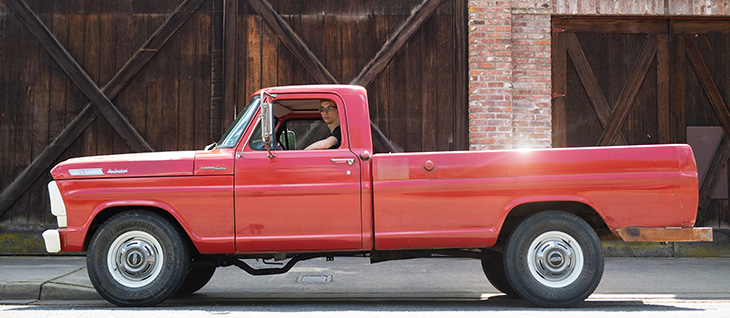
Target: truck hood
[{"x": 155, "y": 164}]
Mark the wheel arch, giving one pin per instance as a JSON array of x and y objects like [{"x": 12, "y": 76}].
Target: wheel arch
[
  {"x": 108, "y": 211},
  {"x": 519, "y": 212}
]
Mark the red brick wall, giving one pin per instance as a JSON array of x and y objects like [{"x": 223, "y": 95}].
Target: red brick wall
[{"x": 509, "y": 62}]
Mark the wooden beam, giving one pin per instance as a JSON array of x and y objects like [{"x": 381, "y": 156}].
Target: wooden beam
[
  {"x": 559, "y": 86},
  {"x": 396, "y": 42},
  {"x": 630, "y": 90},
  {"x": 598, "y": 24},
  {"x": 293, "y": 42},
  {"x": 719, "y": 160},
  {"x": 87, "y": 116},
  {"x": 705, "y": 77},
  {"x": 78, "y": 75},
  {"x": 461, "y": 75},
  {"x": 590, "y": 83}
]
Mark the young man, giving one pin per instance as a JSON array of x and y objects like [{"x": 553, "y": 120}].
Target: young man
[{"x": 328, "y": 110}]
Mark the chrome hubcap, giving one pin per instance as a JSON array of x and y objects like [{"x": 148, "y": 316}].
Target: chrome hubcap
[
  {"x": 135, "y": 259},
  {"x": 555, "y": 259}
]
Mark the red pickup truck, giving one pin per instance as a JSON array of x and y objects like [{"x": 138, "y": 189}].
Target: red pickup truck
[{"x": 156, "y": 225}]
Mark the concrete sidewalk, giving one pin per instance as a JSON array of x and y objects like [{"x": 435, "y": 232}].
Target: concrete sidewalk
[{"x": 30, "y": 279}]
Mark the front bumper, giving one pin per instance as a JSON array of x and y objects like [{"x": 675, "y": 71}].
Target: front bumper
[
  {"x": 52, "y": 238},
  {"x": 653, "y": 234}
]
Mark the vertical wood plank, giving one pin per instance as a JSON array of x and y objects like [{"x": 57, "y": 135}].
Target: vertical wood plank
[
  {"x": 5, "y": 101},
  {"x": 203, "y": 96},
  {"x": 662, "y": 89},
  {"x": 445, "y": 106},
  {"x": 381, "y": 107},
  {"x": 680, "y": 87},
  {"x": 349, "y": 41},
  {"x": 155, "y": 80},
  {"x": 461, "y": 74},
  {"x": 269, "y": 57},
  {"x": 132, "y": 102},
  {"x": 216, "y": 71},
  {"x": 59, "y": 87},
  {"x": 242, "y": 55},
  {"x": 429, "y": 89},
  {"x": 333, "y": 53},
  {"x": 253, "y": 61},
  {"x": 187, "y": 85},
  {"x": 230, "y": 63},
  {"x": 107, "y": 66},
  {"x": 170, "y": 102},
  {"x": 413, "y": 53},
  {"x": 92, "y": 43},
  {"x": 559, "y": 66}
]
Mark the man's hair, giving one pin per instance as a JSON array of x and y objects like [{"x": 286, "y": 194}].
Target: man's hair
[{"x": 327, "y": 100}]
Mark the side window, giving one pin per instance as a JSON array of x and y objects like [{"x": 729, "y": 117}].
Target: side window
[
  {"x": 302, "y": 124},
  {"x": 293, "y": 134},
  {"x": 302, "y": 132}
]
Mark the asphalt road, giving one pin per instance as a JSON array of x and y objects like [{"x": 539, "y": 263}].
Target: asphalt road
[{"x": 351, "y": 287}]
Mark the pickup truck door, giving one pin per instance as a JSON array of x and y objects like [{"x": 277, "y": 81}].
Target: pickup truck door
[{"x": 300, "y": 200}]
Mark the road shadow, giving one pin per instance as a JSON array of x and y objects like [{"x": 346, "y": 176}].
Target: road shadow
[{"x": 203, "y": 303}]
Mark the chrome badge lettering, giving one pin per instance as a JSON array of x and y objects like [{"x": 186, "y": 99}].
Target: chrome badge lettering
[
  {"x": 117, "y": 171},
  {"x": 213, "y": 168},
  {"x": 86, "y": 172}
]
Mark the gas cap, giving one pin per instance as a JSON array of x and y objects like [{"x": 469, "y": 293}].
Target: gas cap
[{"x": 428, "y": 165}]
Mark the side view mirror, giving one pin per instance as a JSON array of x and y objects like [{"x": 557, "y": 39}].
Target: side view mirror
[{"x": 267, "y": 124}]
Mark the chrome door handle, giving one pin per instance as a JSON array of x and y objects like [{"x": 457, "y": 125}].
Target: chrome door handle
[{"x": 349, "y": 162}]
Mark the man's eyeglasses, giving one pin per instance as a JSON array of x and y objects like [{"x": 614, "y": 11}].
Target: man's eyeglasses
[{"x": 326, "y": 109}]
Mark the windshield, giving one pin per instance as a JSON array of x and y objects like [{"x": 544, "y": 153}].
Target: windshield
[{"x": 230, "y": 138}]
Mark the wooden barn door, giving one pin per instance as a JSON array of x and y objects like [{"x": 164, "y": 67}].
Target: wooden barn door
[
  {"x": 410, "y": 55},
  {"x": 632, "y": 81},
  {"x": 701, "y": 77},
  {"x": 610, "y": 82},
  {"x": 88, "y": 77}
]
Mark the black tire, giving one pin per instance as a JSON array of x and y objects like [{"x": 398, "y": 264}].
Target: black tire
[
  {"x": 196, "y": 279},
  {"x": 554, "y": 259},
  {"x": 137, "y": 258},
  {"x": 493, "y": 267}
]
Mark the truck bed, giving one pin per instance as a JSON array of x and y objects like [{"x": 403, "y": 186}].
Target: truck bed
[{"x": 465, "y": 197}]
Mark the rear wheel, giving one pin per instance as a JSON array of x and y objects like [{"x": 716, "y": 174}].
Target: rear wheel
[
  {"x": 553, "y": 259},
  {"x": 137, "y": 258}
]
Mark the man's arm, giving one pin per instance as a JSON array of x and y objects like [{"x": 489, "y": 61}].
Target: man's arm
[{"x": 323, "y": 144}]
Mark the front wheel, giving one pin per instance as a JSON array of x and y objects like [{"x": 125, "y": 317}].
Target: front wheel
[
  {"x": 554, "y": 259},
  {"x": 137, "y": 258}
]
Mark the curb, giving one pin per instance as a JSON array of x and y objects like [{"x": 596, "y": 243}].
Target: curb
[
  {"x": 56, "y": 291},
  {"x": 46, "y": 291},
  {"x": 20, "y": 290}
]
